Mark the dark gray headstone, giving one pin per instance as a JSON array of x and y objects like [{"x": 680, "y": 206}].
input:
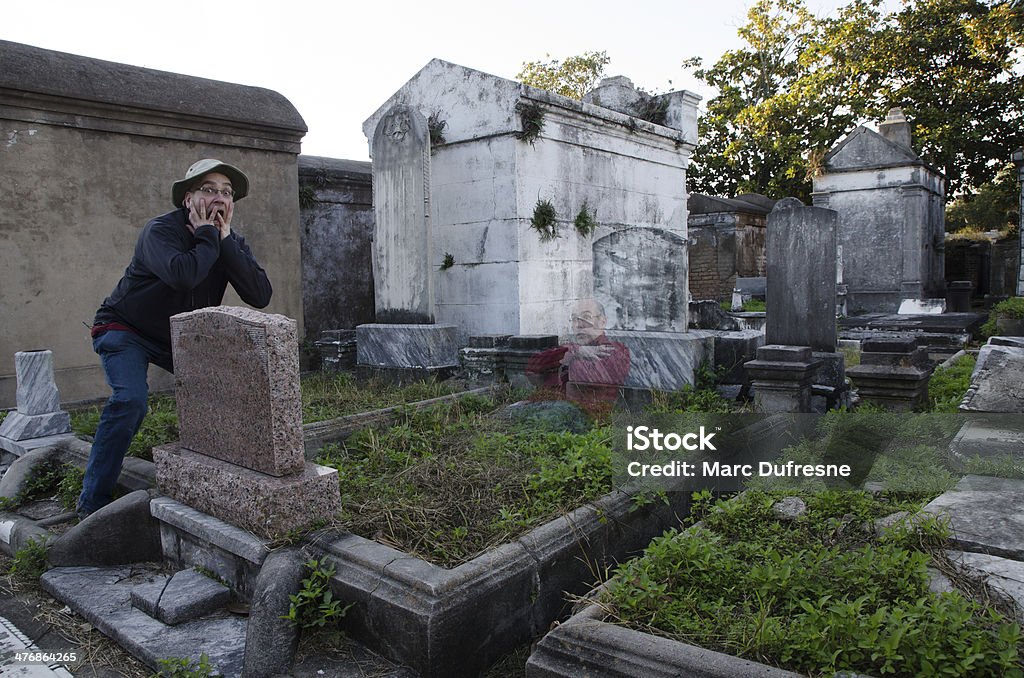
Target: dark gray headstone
[
  {"x": 401, "y": 198},
  {"x": 640, "y": 276},
  {"x": 801, "y": 257}
]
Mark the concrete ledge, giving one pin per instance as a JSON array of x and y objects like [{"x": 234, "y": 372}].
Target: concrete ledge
[
  {"x": 456, "y": 622},
  {"x": 587, "y": 646}
]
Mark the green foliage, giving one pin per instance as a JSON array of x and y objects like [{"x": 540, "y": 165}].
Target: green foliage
[
  {"x": 796, "y": 87},
  {"x": 816, "y": 595},
  {"x": 177, "y": 667},
  {"x": 545, "y": 220},
  {"x": 29, "y": 561},
  {"x": 70, "y": 486},
  {"x": 435, "y": 126},
  {"x": 572, "y": 78},
  {"x": 651, "y": 108},
  {"x": 995, "y": 206},
  {"x": 45, "y": 479},
  {"x": 754, "y": 306},
  {"x": 449, "y": 261},
  {"x": 584, "y": 221},
  {"x": 1008, "y": 308},
  {"x": 307, "y": 197},
  {"x": 314, "y": 606},
  {"x": 700, "y": 396},
  {"x": 531, "y": 117},
  {"x": 158, "y": 428},
  {"x": 947, "y": 386}
]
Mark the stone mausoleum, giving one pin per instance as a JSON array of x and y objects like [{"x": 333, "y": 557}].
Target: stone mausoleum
[
  {"x": 492, "y": 268},
  {"x": 891, "y": 217}
]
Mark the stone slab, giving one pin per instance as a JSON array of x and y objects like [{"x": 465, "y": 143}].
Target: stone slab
[
  {"x": 640, "y": 277},
  {"x": 997, "y": 384},
  {"x": 801, "y": 271},
  {"x": 784, "y": 354},
  {"x": 587, "y": 646},
  {"x": 402, "y": 242},
  {"x": 17, "y": 426},
  {"x": 922, "y": 307},
  {"x": 989, "y": 435},
  {"x": 184, "y": 596},
  {"x": 102, "y": 595},
  {"x": 36, "y": 391},
  {"x": 407, "y": 345},
  {"x": 265, "y": 505},
  {"x": 23, "y": 447},
  {"x": 1002, "y": 574},
  {"x": 664, "y": 361},
  {"x": 986, "y": 515},
  {"x": 237, "y": 387}
]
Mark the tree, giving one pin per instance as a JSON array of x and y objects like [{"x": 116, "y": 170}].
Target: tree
[
  {"x": 573, "y": 77},
  {"x": 994, "y": 207},
  {"x": 802, "y": 82}
]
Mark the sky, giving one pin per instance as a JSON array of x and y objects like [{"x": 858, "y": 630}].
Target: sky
[{"x": 338, "y": 62}]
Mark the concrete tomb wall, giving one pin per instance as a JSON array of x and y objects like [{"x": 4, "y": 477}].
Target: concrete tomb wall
[
  {"x": 336, "y": 215},
  {"x": 88, "y": 152},
  {"x": 727, "y": 240}
]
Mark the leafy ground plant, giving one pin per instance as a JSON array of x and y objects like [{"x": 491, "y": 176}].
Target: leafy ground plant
[
  {"x": 451, "y": 481},
  {"x": 819, "y": 594},
  {"x": 29, "y": 561},
  {"x": 314, "y": 605},
  {"x": 178, "y": 667}
]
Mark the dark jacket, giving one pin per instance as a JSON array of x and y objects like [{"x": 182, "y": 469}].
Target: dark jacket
[{"x": 174, "y": 271}]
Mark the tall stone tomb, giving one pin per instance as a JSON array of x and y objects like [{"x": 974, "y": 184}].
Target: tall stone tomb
[
  {"x": 522, "y": 203},
  {"x": 240, "y": 457},
  {"x": 891, "y": 219},
  {"x": 800, "y": 334},
  {"x": 39, "y": 420}
]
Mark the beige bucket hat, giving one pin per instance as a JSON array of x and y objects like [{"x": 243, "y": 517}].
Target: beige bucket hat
[{"x": 239, "y": 182}]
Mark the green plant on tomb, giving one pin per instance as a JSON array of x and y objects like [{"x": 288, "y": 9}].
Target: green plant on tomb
[
  {"x": 435, "y": 126},
  {"x": 532, "y": 118},
  {"x": 584, "y": 222},
  {"x": 544, "y": 220},
  {"x": 314, "y": 605},
  {"x": 307, "y": 197},
  {"x": 178, "y": 667},
  {"x": 29, "y": 561},
  {"x": 448, "y": 262}
]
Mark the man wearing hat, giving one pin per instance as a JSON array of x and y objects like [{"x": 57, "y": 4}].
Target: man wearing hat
[{"x": 183, "y": 261}]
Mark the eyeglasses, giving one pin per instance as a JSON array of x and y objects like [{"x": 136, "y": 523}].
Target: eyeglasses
[{"x": 213, "y": 190}]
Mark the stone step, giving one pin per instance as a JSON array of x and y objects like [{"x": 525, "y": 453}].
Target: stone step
[
  {"x": 184, "y": 596},
  {"x": 102, "y": 595}
]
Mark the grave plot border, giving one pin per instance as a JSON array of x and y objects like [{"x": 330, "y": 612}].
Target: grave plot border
[
  {"x": 456, "y": 622},
  {"x": 587, "y": 645}
]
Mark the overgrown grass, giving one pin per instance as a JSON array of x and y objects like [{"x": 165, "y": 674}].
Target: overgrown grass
[
  {"x": 158, "y": 428},
  {"x": 451, "y": 481},
  {"x": 324, "y": 396},
  {"x": 947, "y": 386},
  {"x": 1008, "y": 308},
  {"x": 819, "y": 594}
]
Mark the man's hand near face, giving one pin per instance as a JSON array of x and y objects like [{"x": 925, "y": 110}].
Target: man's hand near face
[{"x": 217, "y": 215}]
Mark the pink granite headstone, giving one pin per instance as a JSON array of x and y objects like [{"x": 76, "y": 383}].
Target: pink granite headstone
[{"x": 237, "y": 383}]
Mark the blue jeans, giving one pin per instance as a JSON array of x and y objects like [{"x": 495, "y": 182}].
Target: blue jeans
[{"x": 126, "y": 357}]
